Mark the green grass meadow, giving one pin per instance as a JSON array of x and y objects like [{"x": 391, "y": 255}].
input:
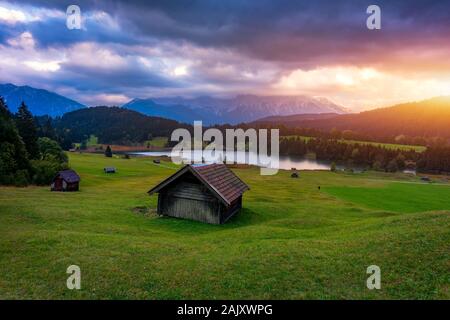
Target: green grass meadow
[
  {"x": 159, "y": 142},
  {"x": 92, "y": 141},
  {"x": 391, "y": 146},
  {"x": 290, "y": 241}
]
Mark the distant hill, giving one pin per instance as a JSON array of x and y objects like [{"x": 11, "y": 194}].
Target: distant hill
[
  {"x": 39, "y": 101},
  {"x": 428, "y": 118},
  {"x": 113, "y": 125},
  {"x": 242, "y": 108}
]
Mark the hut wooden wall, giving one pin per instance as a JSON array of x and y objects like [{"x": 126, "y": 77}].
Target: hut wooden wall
[
  {"x": 74, "y": 186},
  {"x": 189, "y": 199},
  {"x": 59, "y": 184},
  {"x": 233, "y": 209}
]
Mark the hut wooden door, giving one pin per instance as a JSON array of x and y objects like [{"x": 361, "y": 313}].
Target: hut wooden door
[{"x": 58, "y": 184}]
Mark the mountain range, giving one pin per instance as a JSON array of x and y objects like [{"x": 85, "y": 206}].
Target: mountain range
[
  {"x": 211, "y": 110},
  {"x": 427, "y": 118},
  {"x": 39, "y": 101},
  {"x": 242, "y": 108}
]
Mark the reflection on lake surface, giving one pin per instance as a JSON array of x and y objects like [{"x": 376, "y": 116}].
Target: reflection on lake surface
[{"x": 285, "y": 162}]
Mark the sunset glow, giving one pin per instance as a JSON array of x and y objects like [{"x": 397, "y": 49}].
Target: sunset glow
[
  {"x": 170, "y": 52},
  {"x": 225, "y": 158}
]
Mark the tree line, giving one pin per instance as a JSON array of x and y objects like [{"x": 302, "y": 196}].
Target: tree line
[
  {"x": 27, "y": 155},
  {"x": 111, "y": 125},
  {"x": 328, "y": 145},
  {"x": 435, "y": 159},
  {"x": 347, "y": 134}
]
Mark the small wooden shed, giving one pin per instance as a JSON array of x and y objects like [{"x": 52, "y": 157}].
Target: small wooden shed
[
  {"x": 209, "y": 193},
  {"x": 66, "y": 180},
  {"x": 109, "y": 170}
]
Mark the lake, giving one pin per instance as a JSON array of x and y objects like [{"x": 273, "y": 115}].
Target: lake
[{"x": 285, "y": 162}]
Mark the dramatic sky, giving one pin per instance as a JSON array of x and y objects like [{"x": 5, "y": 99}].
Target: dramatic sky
[{"x": 129, "y": 49}]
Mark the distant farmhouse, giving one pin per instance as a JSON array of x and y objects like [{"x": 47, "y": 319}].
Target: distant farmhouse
[
  {"x": 67, "y": 180},
  {"x": 209, "y": 193}
]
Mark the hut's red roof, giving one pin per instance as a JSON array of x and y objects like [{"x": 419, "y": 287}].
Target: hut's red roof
[{"x": 221, "y": 180}]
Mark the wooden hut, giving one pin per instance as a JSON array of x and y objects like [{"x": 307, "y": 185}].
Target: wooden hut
[
  {"x": 67, "y": 180},
  {"x": 109, "y": 170},
  {"x": 209, "y": 193}
]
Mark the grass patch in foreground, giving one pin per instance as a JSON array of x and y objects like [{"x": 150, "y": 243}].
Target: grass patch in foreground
[
  {"x": 398, "y": 197},
  {"x": 291, "y": 241}
]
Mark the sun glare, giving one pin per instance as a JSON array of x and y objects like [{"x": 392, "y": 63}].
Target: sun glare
[{"x": 180, "y": 71}]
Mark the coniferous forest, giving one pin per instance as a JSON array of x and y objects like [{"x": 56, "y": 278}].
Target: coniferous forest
[
  {"x": 26, "y": 157},
  {"x": 435, "y": 159}
]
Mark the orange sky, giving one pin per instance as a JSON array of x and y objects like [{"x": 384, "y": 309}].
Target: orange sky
[{"x": 150, "y": 49}]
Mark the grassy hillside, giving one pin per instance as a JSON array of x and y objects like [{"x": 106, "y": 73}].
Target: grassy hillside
[
  {"x": 112, "y": 125},
  {"x": 427, "y": 118},
  {"x": 291, "y": 241},
  {"x": 392, "y": 146},
  {"x": 159, "y": 142}
]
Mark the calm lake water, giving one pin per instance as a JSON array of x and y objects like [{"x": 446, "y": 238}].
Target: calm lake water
[{"x": 285, "y": 162}]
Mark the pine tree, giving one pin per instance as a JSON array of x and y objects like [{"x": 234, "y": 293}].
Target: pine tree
[
  {"x": 4, "y": 111},
  {"x": 83, "y": 145},
  {"x": 108, "y": 152},
  {"x": 27, "y": 130},
  {"x": 13, "y": 154},
  {"x": 47, "y": 129},
  {"x": 333, "y": 167},
  {"x": 392, "y": 166}
]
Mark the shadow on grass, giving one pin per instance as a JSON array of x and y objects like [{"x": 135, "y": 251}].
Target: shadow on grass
[{"x": 244, "y": 218}]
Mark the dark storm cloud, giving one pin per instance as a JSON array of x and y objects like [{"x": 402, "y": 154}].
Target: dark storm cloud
[
  {"x": 305, "y": 33},
  {"x": 53, "y": 32},
  {"x": 225, "y": 45},
  {"x": 107, "y": 80}
]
